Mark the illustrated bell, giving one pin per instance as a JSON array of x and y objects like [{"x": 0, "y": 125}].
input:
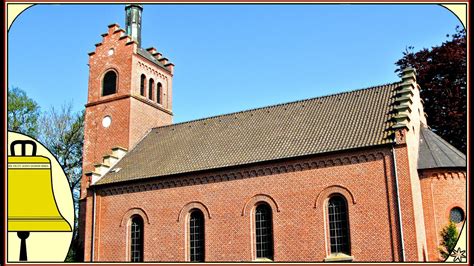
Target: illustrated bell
[{"x": 31, "y": 203}]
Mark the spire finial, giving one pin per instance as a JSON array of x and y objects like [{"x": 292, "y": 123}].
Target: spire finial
[{"x": 133, "y": 22}]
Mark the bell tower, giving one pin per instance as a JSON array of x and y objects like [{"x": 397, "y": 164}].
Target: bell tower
[{"x": 130, "y": 92}]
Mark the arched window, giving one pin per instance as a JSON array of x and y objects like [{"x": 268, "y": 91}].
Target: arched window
[
  {"x": 109, "y": 83},
  {"x": 151, "y": 84},
  {"x": 196, "y": 236},
  {"x": 338, "y": 225},
  {"x": 456, "y": 215},
  {"x": 159, "y": 88},
  {"x": 136, "y": 239},
  {"x": 263, "y": 232},
  {"x": 142, "y": 84}
]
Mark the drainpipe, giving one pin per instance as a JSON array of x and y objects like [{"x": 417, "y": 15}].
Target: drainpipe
[
  {"x": 398, "y": 202},
  {"x": 93, "y": 226}
]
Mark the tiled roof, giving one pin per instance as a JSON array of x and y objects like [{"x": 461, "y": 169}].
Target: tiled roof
[
  {"x": 435, "y": 152},
  {"x": 336, "y": 122}
]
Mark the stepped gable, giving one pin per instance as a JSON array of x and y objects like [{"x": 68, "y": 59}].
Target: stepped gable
[
  {"x": 119, "y": 38},
  {"x": 157, "y": 59},
  {"x": 331, "y": 123}
]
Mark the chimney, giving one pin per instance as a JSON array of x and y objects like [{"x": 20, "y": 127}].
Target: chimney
[{"x": 133, "y": 22}]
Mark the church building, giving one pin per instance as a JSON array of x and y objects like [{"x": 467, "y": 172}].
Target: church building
[{"x": 354, "y": 176}]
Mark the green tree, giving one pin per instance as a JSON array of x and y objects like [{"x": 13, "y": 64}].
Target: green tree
[
  {"x": 442, "y": 75},
  {"x": 62, "y": 132},
  {"x": 22, "y": 112},
  {"x": 449, "y": 237}
]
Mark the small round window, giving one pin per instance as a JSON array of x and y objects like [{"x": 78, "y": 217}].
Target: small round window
[
  {"x": 456, "y": 215},
  {"x": 106, "y": 121}
]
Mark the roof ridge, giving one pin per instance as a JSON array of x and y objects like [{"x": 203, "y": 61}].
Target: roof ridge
[{"x": 277, "y": 105}]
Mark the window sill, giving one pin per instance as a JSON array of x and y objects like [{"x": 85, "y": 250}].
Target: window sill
[
  {"x": 263, "y": 260},
  {"x": 339, "y": 257}
]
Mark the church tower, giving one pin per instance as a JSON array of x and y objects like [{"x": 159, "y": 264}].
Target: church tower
[{"x": 130, "y": 92}]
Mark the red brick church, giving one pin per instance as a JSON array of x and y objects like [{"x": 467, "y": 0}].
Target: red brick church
[{"x": 353, "y": 176}]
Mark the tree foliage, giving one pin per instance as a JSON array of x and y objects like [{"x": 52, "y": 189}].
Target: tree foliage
[
  {"x": 449, "y": 237},
  {"x": 442, "y": 75},
  {"x": 23, "y": 112},
  {"x": 62, "y": 131}
]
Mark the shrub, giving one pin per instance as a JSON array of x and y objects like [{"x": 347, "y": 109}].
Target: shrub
[{"x": 449, "y": 237}]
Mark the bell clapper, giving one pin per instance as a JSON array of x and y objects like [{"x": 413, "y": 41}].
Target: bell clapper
[{"x": 23, "y": 236}]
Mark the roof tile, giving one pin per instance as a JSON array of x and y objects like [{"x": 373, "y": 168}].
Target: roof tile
[{"x": 341, "y": 121}]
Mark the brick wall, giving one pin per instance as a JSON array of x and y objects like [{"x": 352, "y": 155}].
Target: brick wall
[
  {"x": 138, "y": 111},
  {"x": 97, "y": 139},
  {"x": 443, "y": 189},
  {"x": 100, "y": 140},
  {"x": 412, "y": 135},
  {"x": 297, "y": 193},
  {"x": 408, "y": 203},
  {"x": 158, "y": 74},
  {"x": 100, "y": 61}
]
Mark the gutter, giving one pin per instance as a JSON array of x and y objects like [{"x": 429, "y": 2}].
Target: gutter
[
  {"x": 93, "y": 226},
  {"x": 398, "y": 203}
]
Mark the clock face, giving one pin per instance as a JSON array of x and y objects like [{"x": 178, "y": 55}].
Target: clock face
[{"x": 106, "y": 121}]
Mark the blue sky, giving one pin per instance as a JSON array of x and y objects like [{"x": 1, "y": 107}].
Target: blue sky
[{"x": 228, "y": 57}]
